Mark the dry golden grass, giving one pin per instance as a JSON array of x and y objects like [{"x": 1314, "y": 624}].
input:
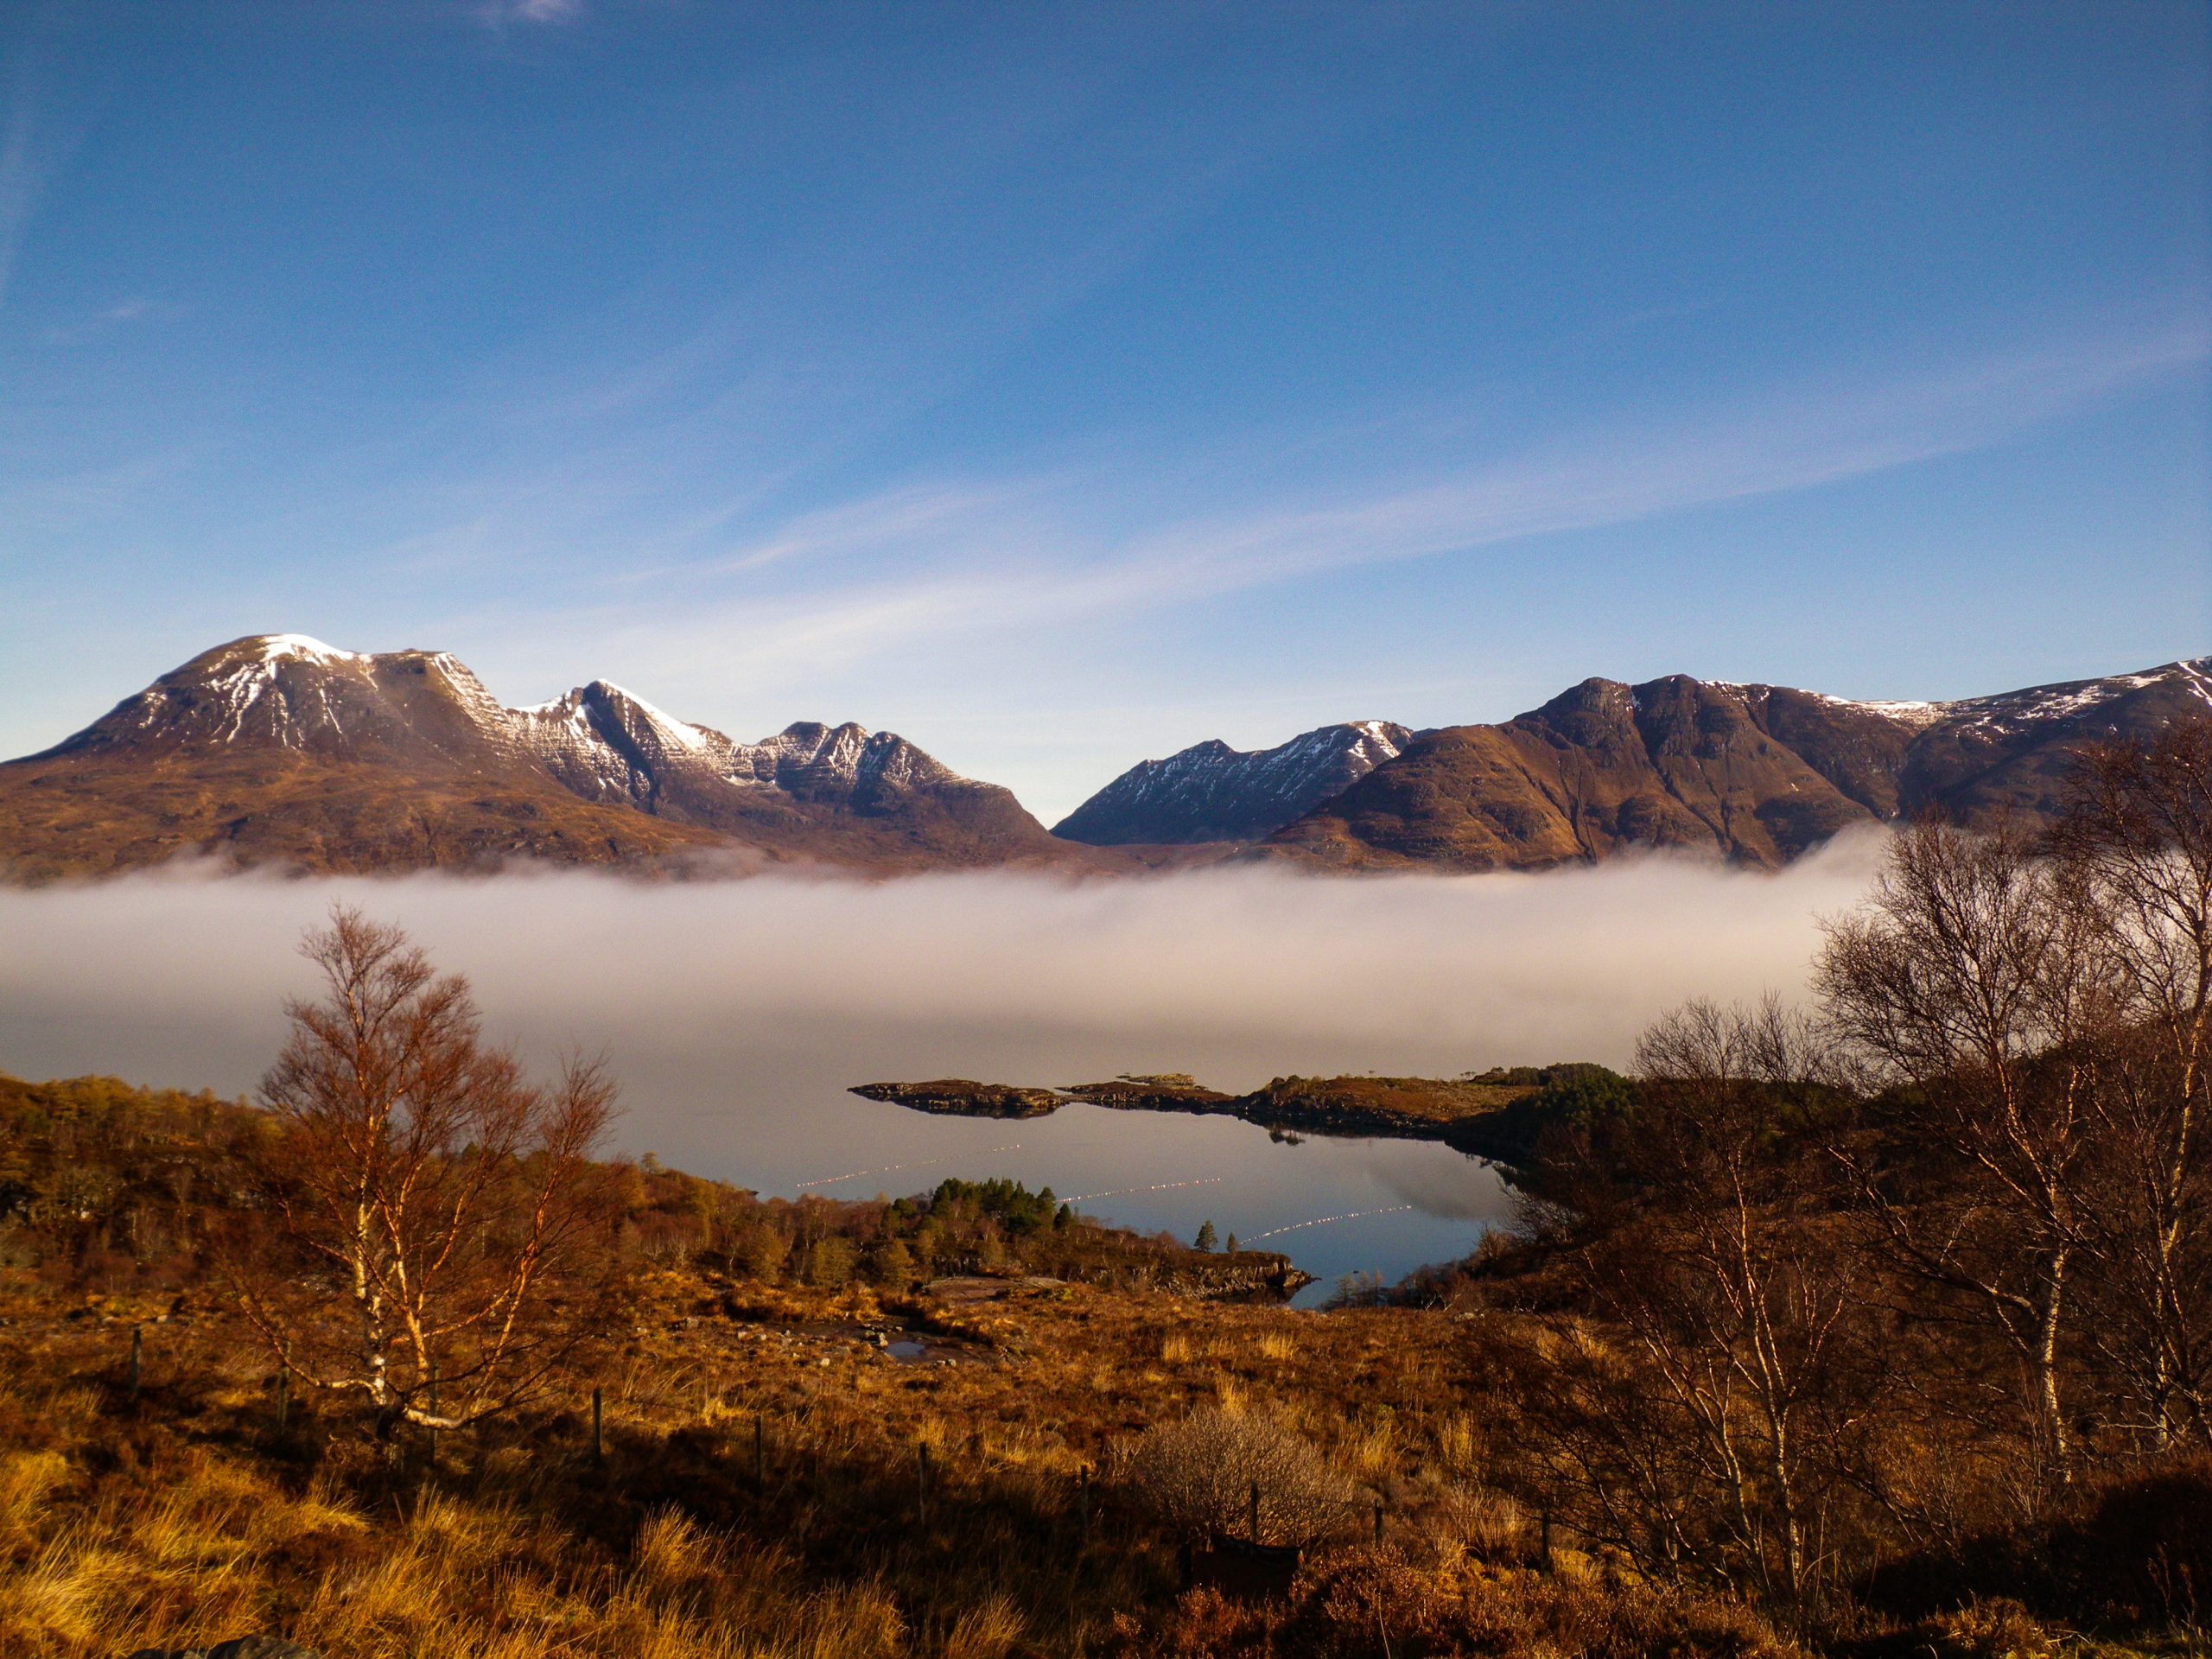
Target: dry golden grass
[
  {"x": 1455, "y": 1441},
  {"x": 184, "y": 1519}
]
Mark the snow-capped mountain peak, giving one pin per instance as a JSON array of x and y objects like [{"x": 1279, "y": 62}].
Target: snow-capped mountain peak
[
  {"x": 426, "y": 712},
  {"x": 280, "y": 646},
  {"x": 1210, "y": 792}
]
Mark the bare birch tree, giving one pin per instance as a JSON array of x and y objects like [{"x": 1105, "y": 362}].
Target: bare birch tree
[
  {"x": 1712, "y": 1441},
  {"x": 1972, "y": 986},
  {"x": 2137, "y": 838},
  {"x": 435, "y": 1227}
]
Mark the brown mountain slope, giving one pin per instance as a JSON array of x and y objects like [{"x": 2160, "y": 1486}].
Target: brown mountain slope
[
  {"x": 1755, "y": 773},
  {"x": 60, "y": 817},
  {"x": 280, "y": 750}
]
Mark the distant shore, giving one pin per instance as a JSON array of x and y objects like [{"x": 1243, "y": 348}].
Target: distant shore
[{"x": 1490, "y": 1117}]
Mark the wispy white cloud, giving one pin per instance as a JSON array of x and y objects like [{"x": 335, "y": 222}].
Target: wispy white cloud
[
  {"x": 138, "y": 308},
  {"x": 964, "y": 557},
  {"x": 498, "y": 13}
]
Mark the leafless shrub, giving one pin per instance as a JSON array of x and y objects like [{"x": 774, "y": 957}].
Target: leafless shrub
[
  {"x": 1198, "y": 1475},
  {"x": 1972, "y": 978}
]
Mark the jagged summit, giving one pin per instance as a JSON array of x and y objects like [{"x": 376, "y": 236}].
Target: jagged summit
[
  {"x": 1212, "y": 792},
  {"x": 279, "y": 746},
  {"x": 282, "y": 749}
]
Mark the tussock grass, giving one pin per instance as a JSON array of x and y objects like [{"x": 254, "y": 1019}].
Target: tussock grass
[{"x": 186, "y": 1519}]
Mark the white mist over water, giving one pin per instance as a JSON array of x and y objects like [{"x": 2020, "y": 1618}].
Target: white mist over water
[{"x": 736, "y": 1013}]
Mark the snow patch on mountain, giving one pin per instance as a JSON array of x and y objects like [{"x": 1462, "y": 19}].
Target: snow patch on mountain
[
  {"x": 2071, "y": 700},
  {"x": 1210, "y": 792},
  {"x": 1905, "y": 713},
  {"x": 277, "y": 646}
]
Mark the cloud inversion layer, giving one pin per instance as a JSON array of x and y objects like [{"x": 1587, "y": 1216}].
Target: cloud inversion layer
[{"x": 1235, "y": 974}]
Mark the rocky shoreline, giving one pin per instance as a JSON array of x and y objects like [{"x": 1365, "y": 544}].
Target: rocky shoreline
[{"x": 1477, "y": 1118}]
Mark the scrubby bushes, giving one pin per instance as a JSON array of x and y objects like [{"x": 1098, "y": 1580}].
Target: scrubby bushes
[{"x": 1203, "y": 1475}]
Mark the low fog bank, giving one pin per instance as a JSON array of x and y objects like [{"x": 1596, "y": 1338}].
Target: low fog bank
[
  {"x": 1233, "y": 975},
  {"x": 737, "y": 1014}
]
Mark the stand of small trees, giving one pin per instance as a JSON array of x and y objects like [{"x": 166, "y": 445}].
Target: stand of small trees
[{"x": 1910, "y": 1269}]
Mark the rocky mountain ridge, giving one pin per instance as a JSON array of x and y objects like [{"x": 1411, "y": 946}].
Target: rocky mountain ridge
[
  {"x": 1758, "y": 774},
  {"x": 1212, "y": 792},
  {"x": 280, "y": 750}
]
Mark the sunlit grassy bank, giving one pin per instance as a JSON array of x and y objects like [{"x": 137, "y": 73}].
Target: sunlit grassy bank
[{"x": 759, "y": 1488}]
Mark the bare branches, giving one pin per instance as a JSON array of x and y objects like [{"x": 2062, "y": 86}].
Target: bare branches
[
  {"x": 1741, "y": 1363},
  {"x": 1202, "y": 1474},
  {"x": 1973, "y": 980},
  {"x": 2137, "y": 841},
  {"x": 426, "y": 1198}
]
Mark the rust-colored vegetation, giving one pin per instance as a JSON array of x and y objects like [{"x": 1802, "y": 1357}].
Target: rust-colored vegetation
[{"x": 1884, "y": 1333}]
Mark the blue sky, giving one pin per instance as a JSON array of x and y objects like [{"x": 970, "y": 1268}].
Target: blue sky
[{"x": 1061, "y": 385}]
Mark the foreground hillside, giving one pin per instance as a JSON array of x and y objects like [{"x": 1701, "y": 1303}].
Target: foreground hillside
[
  {"x": 810, "y": 1445},
  {"x": 779, "y": 1376}
]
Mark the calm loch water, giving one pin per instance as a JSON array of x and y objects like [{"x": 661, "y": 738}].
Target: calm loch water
[{"x": 736, "y": 1014}]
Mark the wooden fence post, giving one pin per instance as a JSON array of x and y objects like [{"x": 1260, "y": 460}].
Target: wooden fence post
[
  {"x": 759, "y": 1453},
  {"x": 284, "y": 1396},
  {"x": 1255, "y": 1512},
  {"x": 1082, "y": 1499},
  {"x": 433, "y": 1427},
  {"x": 135, "y": 1350},
  {"x": 598, "y": 1444},
  {"x": 922, "y": 1480}
]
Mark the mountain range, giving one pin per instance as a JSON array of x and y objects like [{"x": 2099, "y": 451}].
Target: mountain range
[
  {"x": 1756, "y": 774},
  {"x": 279, "y": 750}
]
